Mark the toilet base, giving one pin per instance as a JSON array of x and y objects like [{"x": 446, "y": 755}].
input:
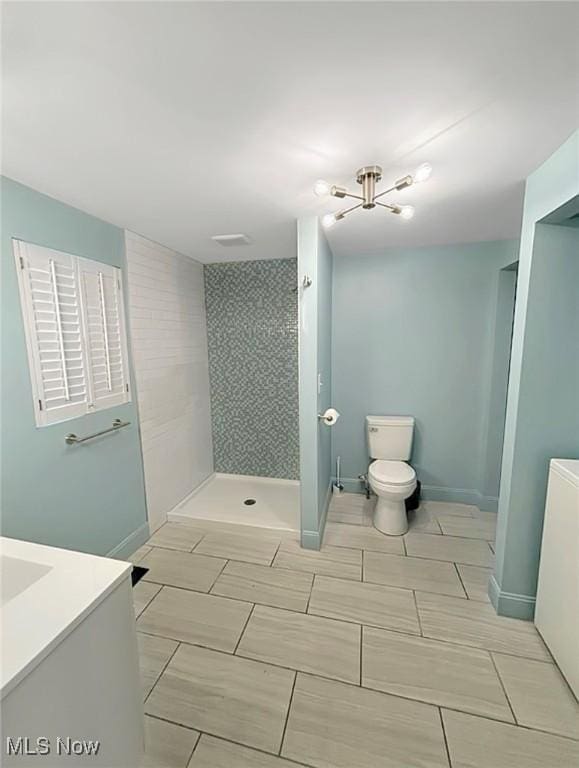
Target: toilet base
[{"x": 390, "y": 517}]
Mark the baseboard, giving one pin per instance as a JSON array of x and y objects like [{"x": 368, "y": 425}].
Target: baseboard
[
  {"x": 129, "y": 545},
  {"x": 313, "y": 539},
  {"x": 510, "y": 604},
  {"x": 488, "y": 503},
  {"x": 436, "y": 493}
]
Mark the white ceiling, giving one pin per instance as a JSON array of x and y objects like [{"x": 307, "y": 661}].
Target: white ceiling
[{"x": 184, "y": 120}]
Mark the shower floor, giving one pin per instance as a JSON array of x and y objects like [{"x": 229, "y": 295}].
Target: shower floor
[{"x": 221, "y": 498}]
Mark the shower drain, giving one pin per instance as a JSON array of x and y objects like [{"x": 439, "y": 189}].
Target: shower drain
[{"x": 249, "y": 502}]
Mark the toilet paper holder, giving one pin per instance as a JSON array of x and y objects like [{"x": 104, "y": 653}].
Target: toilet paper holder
[{"x": 330, "y": 416}]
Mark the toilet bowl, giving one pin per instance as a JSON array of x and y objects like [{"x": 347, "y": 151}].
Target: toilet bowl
[{"x": 392, "y": 482}]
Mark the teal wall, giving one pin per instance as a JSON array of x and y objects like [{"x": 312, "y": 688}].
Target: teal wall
[
  {"x": 414, "y": 334},
  {"x": 497, "y": 405},
  {"x": 315, "y": 317},
  {"x": 89, "y": 498},
  {"x": 324, "y": 292},
  {"x": 542, "y": 419}
]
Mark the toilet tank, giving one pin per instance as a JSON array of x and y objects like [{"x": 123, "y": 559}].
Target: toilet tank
[{"x": 390, "y": 437}]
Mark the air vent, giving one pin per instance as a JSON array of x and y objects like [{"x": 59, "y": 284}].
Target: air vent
[{"x": 228, "y": 240}]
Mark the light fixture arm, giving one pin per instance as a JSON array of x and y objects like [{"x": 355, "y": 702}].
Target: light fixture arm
[
  {"x": 349, "y": 210},
  {"x": 385, "y": 192},
  {"x": 341, "y": 192},
  {"x": 393, "y": 208}
]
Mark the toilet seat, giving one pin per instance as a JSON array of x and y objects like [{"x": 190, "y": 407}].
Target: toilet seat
[{"x": 392, "y": 473}]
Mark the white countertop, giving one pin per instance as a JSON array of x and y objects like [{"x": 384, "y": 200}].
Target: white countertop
[
  {"x": 568, "y": 468},
  {"x": 47, "y": 592}
]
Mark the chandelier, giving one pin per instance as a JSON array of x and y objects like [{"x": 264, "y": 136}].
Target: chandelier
[{"x": 368, "y": 177}]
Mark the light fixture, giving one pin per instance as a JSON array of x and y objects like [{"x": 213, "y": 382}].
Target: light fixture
[
  {"x": 422, "y": 173},
  {"x": 368, "y": 177},
  {"x": 321, "y": 188}
]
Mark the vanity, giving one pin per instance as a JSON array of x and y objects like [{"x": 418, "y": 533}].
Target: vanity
[{"x": 70, "y": 685}]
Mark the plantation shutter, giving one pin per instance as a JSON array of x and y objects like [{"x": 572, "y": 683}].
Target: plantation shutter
[
  {"x": 105, "y": 337},
  {"x": 50, "y": 301}
]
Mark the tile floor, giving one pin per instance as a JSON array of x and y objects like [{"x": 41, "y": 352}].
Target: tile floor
[{"x": 375, "y": 652}]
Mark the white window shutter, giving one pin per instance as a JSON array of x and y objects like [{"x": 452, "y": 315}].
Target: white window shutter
[
  {"x": 50, "y": 301},
  {"x": 105, "y": 335}
]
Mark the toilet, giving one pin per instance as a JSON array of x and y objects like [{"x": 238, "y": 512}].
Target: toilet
[{"x": 389, "y": 475}]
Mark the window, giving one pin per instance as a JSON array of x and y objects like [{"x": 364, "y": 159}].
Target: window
[{"x": 75, "y": 332}]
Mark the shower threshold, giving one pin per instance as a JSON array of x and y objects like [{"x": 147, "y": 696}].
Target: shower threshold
[{"x": 264, "y": 502}]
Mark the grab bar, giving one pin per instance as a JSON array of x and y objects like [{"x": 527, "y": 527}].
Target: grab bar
[{"x": 72, "y": 439}]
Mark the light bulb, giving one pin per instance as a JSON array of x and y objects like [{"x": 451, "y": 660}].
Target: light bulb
[
  {"x": 407, "y": 211},
  {"x": 321, "y": 188},
  {"x": 329, "y": 220},
  {"x": 422, "y": 173}
]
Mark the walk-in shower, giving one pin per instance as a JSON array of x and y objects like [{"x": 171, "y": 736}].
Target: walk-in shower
[{"x": 252, "y": 337}]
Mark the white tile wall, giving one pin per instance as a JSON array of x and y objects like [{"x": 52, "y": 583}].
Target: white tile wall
[{"x": 169, "y": 345}]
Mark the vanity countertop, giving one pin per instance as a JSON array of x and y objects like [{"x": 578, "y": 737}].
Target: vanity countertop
[{"x": 46, "y": 593}]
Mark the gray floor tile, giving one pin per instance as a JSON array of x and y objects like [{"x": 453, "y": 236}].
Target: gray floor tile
[
  {"x": 193, "y": 617},
  {"x": 308, "y": 643},
  {"x": 469, "y": 528},
  {"x": 468, "y": 622},
  {"x": 440, "y": 673},
  {"x": 352, "y": 508},
  {"x": 365, "y": 603},
  {"x": 216, "y": 753},
  {"x": 176, "y": 536},
  {"x": 276, "y": 587},
  {"x": 143, "y": 593},
  {"x": 362, "y": 537},
  {"x": 224, "y": 695},
  {"x": 539, "y": 695},
  {"x": 154, "y": 653},
  {"x": 422, "y": 520},
  {"x": 476, "y": 581},
  {"x": 475, "y": 742},
  {"x": 449, "y": 508},
  {"x": 449, "y": 548},
  {"x": 333, "y": 725},
  {"x": 182, "y": 569},
  {"x": 341, "y": 562},
  {"x": 491, "y": 517},
  {"x": 167, "y": 745},
  {"x": 248, "y": 548},
  {"x": 412, "y": 573},
  {"x": 139, "y": 554}
]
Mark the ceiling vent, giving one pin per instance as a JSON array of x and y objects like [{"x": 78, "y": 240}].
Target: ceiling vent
[{"x": 228, "y": 240}]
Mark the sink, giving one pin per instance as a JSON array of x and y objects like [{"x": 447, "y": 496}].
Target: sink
[{"x": 17, "y": 575}]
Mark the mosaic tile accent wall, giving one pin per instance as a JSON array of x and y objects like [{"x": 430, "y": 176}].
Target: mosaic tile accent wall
[{"x": 252, "y": 331}]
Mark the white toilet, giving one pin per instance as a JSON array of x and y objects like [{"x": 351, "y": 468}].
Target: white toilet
[{"x": 390, "y": 477}]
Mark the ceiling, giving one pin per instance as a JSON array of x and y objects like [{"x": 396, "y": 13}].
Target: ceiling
[{"x": 184, "y": 120}]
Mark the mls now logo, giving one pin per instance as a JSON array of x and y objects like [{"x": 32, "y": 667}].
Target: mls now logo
[{"x": 24, "y": 746}]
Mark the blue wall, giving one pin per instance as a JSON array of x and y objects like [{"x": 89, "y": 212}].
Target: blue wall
[
  {"x": 89, "y": 498},
  {"x": 315, "y": 332},
  {"x": 413, "y": 333},
  {"x": 543, "y": 402}
]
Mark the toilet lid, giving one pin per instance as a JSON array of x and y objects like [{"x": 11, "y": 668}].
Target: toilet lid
[{"x": 392, "y": 472}]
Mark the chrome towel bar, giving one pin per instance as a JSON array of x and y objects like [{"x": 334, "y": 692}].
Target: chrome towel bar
[{"x": 72, "y": 439}]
